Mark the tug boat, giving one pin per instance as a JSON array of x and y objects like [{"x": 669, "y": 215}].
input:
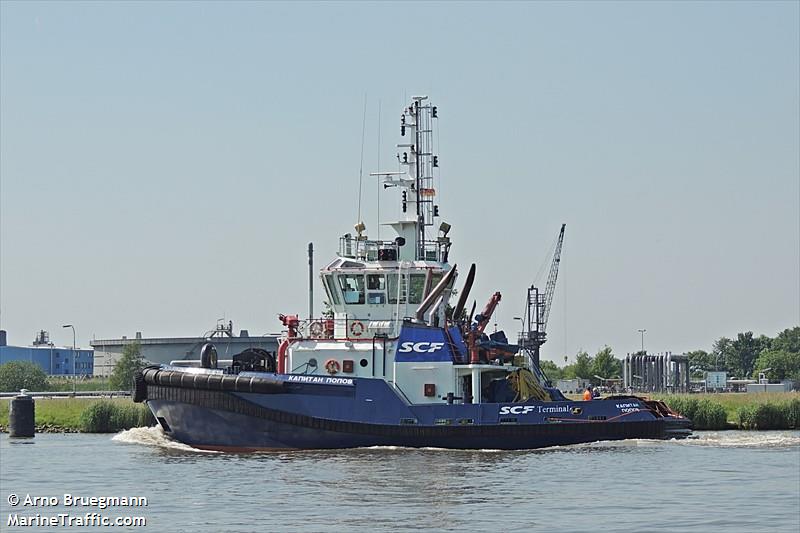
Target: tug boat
[{"x": 393, "y": 363}]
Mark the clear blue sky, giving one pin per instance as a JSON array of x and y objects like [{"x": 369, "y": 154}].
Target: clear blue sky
[{"x": 165, "y": 164}]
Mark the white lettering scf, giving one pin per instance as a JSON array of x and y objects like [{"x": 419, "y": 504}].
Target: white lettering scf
[
  {"x": 420, "y": 347},
  {"x": 517, "y": 409}
]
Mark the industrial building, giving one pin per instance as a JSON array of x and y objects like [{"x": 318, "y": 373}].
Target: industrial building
[
  {"x": 162, "y": 350},
  {"x": 666, "y": 372},
  {"x": 54, "y": 360}
]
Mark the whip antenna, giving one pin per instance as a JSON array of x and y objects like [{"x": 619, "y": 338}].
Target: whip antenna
[
  {"x": 378, "y": 215},
  {"x": 361, "y": 165}
]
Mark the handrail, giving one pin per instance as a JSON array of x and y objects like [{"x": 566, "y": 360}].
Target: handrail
[
  {"x": 365, "y": 249},
  {"x": 324, "y": 328}
]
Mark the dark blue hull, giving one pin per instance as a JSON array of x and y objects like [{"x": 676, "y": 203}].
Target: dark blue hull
[{"x": 312, "y": 416}]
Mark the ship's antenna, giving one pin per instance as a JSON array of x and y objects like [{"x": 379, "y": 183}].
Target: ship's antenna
[
  {"x": 439, "y": 173},
  {"x": 378, "y": 215},
  {"x": 361, "y": 164}
]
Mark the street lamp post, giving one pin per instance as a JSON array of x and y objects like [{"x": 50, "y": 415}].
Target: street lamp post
[
  {"x": 74, "y": 381},
  {"x": 521, "y": 324},
  {"x": 642, "y": 332}
]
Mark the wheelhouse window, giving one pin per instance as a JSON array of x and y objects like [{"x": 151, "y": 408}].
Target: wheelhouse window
[
  {"x": 376, "y": 282},
  {"x": 330, "y": 287},
  {"x": 376, "y": 287},
  {"x": 376, "y": 298},
  {"x": 393, "y": 292},
  {"x": 352, "y": 288},
  {"x": 416, "y": 288}
]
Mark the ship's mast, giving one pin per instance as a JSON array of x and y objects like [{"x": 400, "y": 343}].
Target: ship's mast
[
  {"x": 422, "y": 114},
  {"x": 415, "y": 155}
]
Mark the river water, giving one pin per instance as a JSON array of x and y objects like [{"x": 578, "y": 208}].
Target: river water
[{"x": 719, "y": 481}]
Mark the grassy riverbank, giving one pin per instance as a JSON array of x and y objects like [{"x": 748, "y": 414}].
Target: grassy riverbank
[
  {"x": 88, "y": 415},
  {"x": 738, "y": 410},
  {"x": 58, "y": 384}
]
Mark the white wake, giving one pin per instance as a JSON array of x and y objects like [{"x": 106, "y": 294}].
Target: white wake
[
  {"x": 744, "y": 439},
  {"x": 154, "y": 436}
]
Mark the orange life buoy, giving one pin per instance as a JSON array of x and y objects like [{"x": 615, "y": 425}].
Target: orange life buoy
[
  {"x": 332, "y": 366},
  {"x": 356, "y": 328}
]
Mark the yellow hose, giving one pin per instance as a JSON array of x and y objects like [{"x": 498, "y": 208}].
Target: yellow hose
[{"x": 526, "y": 386}]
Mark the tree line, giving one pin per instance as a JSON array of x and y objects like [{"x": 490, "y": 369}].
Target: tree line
[{"x": 744, "y": 356}]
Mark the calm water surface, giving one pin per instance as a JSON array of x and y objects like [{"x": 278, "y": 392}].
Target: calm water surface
[{"x": 726, "y": 481}]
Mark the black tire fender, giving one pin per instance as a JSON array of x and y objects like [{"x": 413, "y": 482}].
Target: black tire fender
[
  {"x": 139, "y": 391},
  {"x": 208, "y": 356}
]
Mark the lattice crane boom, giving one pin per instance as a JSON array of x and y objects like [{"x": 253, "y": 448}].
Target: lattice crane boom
[
  {"x": 537, "y": 309},
  {"x": 550, "y": 289}
]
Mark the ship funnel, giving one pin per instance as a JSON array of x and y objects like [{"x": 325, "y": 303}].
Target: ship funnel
[{"x": 435, "y": 293}]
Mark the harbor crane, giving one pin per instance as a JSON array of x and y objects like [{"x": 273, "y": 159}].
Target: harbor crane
[{"x": 537, "y": 308}]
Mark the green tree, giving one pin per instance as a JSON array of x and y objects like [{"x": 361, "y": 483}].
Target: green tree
[
  {"x": 722, "y": 352},
  {"x": 551, "y": 370},
  {"x": 126, "y": 367},
  {"x": 583, "y": 365},
  {"x": 743, "y": 351},
  {"x": 738, "y": 356},
  {"x": 16, "y": 375},
  {"x": 701, "y": 361},
  {"x": 606, "y": 365},
  {"x": 787, "y": 340},
  {"x": 782, "y": 365}
]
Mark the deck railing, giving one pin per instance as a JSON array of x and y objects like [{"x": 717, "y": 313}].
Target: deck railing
[
  {"x": 363, "y": 249},
  {"x": 347, "y": 328}
]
